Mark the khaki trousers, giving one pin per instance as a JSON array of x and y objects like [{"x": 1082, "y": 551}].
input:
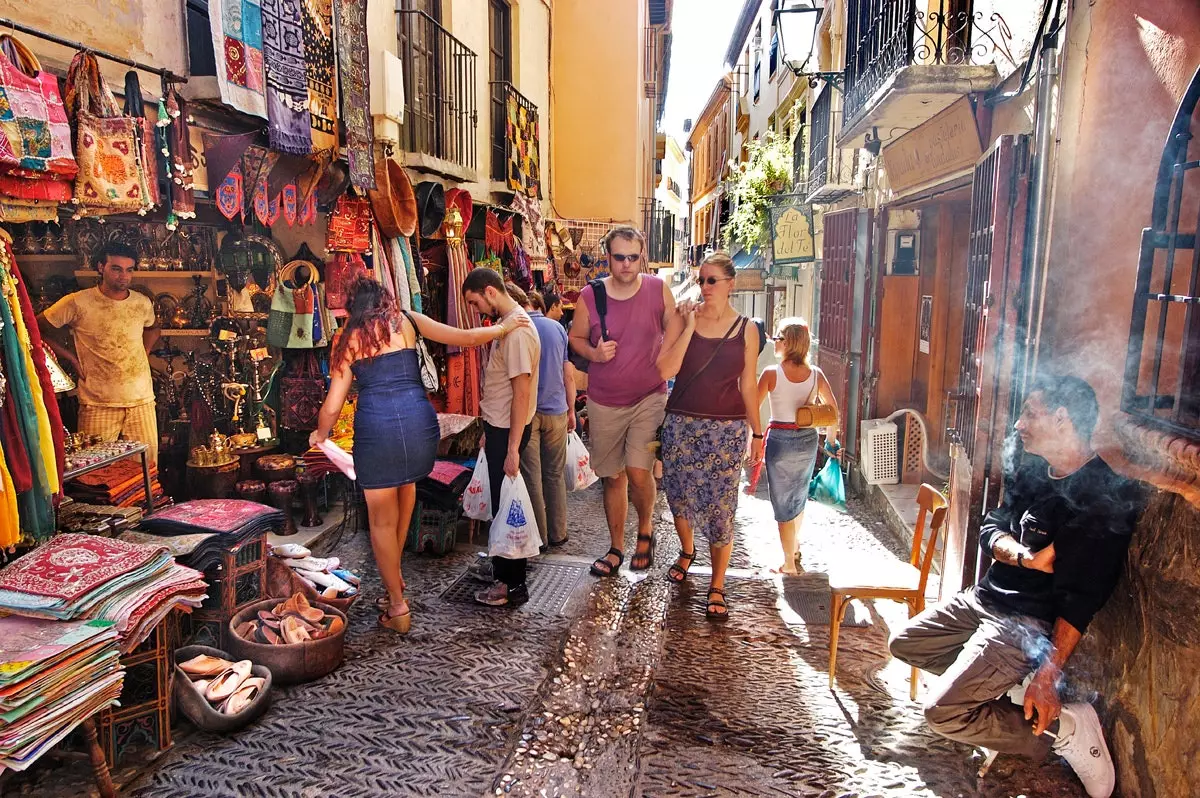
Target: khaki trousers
[
  {"x": 979, "y": 653},
  {"x": 131, "y": 423},
  {"x": 543, "y": 467}
]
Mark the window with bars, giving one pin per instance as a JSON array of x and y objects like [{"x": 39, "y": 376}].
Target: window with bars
[
  {"x": 500, "y": 61},
  {"x": 1162, "y": 366}
]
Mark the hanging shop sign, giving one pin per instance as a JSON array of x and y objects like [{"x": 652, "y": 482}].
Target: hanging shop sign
[
  {"x": 947, "y": 143},
  {"x": 792, "y": 234}
]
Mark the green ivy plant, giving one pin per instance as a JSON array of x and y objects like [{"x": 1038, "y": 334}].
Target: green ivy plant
[{"x": 766, "y": 171}]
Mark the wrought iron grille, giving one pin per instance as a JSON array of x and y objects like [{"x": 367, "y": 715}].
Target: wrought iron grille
[
  {"x": 884, "y": 36},
  {"x": 659, "y": 224},
  {"x": 440, "y": 114},
  {"x": 1162, "y": 366},
  {"x": 818, "y": 141},
  {"x": 837, "y": 280}
]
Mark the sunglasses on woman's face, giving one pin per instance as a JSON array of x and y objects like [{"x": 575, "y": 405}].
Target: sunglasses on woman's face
[
  {"x": 622, "y": 258},
  {"x": 713, "y": 280}
]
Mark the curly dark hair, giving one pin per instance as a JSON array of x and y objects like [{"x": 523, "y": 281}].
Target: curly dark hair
[{"x": 370, "y": 323}]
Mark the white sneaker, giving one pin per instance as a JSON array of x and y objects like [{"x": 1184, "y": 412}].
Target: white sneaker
[{"x": 1086, "y": 752}]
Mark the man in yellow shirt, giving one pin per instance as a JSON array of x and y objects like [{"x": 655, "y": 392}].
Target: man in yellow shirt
[{"x": 113, "y": 329}]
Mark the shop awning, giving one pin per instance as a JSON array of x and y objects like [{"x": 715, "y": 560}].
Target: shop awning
[{"x": 747, "y": 259}]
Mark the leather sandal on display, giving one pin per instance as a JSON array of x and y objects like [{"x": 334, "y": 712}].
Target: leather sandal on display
[
  {"x": 243, "y": 697},
  {"x": 399, "y": 623},
  {"x": 677, "y": 573},
  {"x": 602, "y": 566},
  {"x": 719, "y": 615},
  {"x": 204, "y": 665},
  {"x": 229, "y": 680},
  {"x": 643, "y": 560}
]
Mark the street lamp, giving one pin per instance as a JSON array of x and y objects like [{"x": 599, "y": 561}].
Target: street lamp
[{"x": 797, "y": 26}]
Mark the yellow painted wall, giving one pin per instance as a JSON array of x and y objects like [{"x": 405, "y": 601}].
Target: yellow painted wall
[
  {"x": 596, "y": 126},
  {"x": 149, "y": 31}
]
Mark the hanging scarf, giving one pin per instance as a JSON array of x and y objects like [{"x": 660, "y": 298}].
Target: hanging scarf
[
  {"x": 237, "y": 41},
  {"x": 458, "y": 313},
  {"x": 288, "y": 120},
  {"x": 319, "y": 60},
  {"x": 350, "y": 22},
  {"x": 180, "y": 163}
]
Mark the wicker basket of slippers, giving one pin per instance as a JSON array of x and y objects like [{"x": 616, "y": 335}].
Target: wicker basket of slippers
[{"x": 217, "y": 692}]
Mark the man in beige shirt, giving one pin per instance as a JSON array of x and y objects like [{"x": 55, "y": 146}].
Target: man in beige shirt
[
  {"x": 113, "y": 329},
  {"x": 510, "y": 382}
]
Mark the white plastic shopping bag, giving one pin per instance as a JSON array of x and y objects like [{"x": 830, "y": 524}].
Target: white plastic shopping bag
[
  {"x": 514, "y": 532},
  {"x": 579, "y": 464},
  {"x": 477, "y": 499},
  {"x": 340, "y": 458}
]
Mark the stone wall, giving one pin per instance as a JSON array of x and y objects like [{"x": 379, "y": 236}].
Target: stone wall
[{"x": 1142, "y": 656}]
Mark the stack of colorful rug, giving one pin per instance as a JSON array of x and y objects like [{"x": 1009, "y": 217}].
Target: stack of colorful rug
[
  {"x": 53, "y": 676},
  {"x": 211, "y": 528},
  {"x": 75, "y": 576},
  {"x": 120, "y": 484}
]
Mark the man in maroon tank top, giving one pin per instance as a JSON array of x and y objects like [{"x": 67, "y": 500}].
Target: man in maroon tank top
[{"x": 626, "y": 388}]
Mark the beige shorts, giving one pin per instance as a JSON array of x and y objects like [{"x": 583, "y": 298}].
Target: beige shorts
[{"x": 625, "y": 436}]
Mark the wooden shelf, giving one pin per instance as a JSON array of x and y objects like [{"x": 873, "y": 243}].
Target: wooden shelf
[
  {"x": 60, "y": 257},
  {"x": 185, "y": 333},
  {"x": 165, "y": 275}
]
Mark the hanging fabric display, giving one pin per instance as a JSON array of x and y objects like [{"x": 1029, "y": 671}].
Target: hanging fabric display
[
  {"x": 350, "y": 225},
  {"x": 458, "y": 218},
  {"x": 462, "y": 382},
  {"x": 289, "y": 125},
  {"x": 229, "y": 196},
  {"x": 350, "y": 22},
  {"x": 342, "y": 270},
  {"x": 319, "y": 60},
  {"x": 287, "y": 203},
  {"x": 524, "y": 160},
  {"x": 236, "y": 27},
  {"x": 135, "y": 109},
  {"x": 37, "y": 165},
  {"x": 410, "y": 272},
  {"x": 533, "y": 231}
]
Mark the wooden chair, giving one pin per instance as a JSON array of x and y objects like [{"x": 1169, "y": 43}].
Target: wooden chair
[{"x": 890, "y": 580}]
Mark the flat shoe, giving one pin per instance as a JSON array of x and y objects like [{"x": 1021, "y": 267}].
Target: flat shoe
[
  {"x": 292, "y": 630},
  {"x": 204, "y": 665},
  {"x": 228, "y": 681},
  {"x": 243, "y": 697}
]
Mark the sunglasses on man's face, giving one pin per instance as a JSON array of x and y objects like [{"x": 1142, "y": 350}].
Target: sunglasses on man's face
[
  {"x": 622, "y": 258},
  {"x": 713, "y": 280}
]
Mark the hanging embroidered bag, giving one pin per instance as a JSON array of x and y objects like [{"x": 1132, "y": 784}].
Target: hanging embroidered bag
[
  {"x": 301, "y": 394},
  {"x": 108, "y": 145},
  {"x": 350, "y": 226}
]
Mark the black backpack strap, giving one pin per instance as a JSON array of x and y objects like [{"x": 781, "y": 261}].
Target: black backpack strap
[{"x": 600, "y": 295}]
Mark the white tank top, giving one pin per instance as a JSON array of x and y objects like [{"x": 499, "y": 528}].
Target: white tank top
[{"x": 788, "y": 396}]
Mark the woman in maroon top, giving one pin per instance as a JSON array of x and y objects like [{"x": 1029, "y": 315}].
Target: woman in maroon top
[{"x": 704, "y": 436}]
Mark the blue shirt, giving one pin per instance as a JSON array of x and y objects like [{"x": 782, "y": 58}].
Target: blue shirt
[{"x": 551, "y": 391}]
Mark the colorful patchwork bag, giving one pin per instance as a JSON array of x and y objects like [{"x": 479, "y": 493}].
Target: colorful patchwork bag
[
  {"x": 36, "y": 161},
  {"x": 117, "y": 164}
]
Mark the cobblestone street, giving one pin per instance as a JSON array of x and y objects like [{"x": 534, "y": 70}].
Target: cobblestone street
[{"x": 625, "y": 690}]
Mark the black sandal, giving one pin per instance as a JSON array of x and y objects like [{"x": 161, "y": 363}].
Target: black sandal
[
  {"x": 602, "y": 567},
  {"x": 675, "y": 573},
  {"x": 645, "y": 557},
  {"x": 719, "y": 617}
]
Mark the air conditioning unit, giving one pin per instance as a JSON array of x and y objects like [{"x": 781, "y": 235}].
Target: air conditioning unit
[{"x": 880, "y": 447}]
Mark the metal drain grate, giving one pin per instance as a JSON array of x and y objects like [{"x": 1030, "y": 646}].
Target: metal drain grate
[
  {"x": 551, "y": 586},
  {"x": 813, "y": 608}
]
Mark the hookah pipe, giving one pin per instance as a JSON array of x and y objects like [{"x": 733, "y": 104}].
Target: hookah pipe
[{"x": 235, "y": 392}]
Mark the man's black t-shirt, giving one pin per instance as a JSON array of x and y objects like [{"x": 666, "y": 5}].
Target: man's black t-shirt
[{"x": 1088, "y": 515}]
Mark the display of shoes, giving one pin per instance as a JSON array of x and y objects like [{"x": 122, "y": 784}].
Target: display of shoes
[
  {"x": 291, "y": 621},
  {"x": 325, "y": 575}
]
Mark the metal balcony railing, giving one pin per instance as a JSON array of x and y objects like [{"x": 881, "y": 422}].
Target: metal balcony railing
[
  {"x": 884, "y": 36},
  {"x": 659, "y": 224},
  {"x": 440, "y": 113},
  {"x": 818, "y": 141},
  {"x": 514, "y": 127}
]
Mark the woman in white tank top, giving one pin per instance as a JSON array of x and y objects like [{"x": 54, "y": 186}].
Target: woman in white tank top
[{"x": 791, "y": 452}]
